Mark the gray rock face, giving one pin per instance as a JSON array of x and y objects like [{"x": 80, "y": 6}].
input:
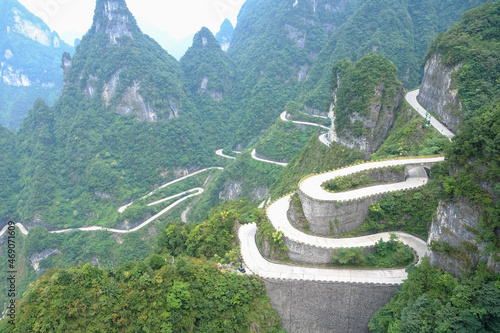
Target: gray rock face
[
  {"x": 320, "y": 307},
  {"x": 37, "y": 257},
  {"x": 232, "y": 191},
  {"x": 217, "y": 95},
  {"x": 133, "y": 103},
  {"x": 377, "y": 124},
  {"x": 438, "y": 93},
  {"x": 456, "y": 223},
  {"x": 299, "y": 37},
  {"x": 116, "y": 21},
  {"x": 259, "y": 193}
]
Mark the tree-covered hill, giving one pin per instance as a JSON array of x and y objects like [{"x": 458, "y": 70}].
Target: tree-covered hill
[
  {"x": 123, "y": 124},
  {"x": 207, "y": 69},
  {"x": 432, "y": 300}
]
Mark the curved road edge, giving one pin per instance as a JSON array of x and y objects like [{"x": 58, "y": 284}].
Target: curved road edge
[
  {"x": 311, "y": 186},
  {"x": 411, "y": 98},
  {"x": 267, "y": 270},
  {"x": 199, "y": 191},
  {"x": 254, "y": 156}
]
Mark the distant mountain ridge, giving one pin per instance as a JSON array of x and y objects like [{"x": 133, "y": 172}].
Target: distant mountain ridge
[{"x": 30, "y": 62}]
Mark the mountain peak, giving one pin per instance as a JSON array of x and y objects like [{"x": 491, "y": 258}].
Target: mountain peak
[{"x": 114, "y": 18}]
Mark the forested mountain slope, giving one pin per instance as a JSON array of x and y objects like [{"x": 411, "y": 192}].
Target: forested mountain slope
[
  {"x": 399, "y": 30},
  {"x": 30, "y": 62},
  {"x": 123, "y": 124}
]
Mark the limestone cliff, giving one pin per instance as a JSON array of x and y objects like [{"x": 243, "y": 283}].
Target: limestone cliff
[
  {"x": 438, "y": 93},
  {"x": 110, "y": 64},
  {"x": 364, "y": 100},
  {"x": 453, "y": 238}
]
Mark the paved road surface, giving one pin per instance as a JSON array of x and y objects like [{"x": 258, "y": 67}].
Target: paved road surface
[
  {"x": 260, "y": 266},
  {"x": 312, "y": 186},
  {"x": 411, "y": 98},
  {"x": 323, "y": 138},
  {"x": 142, "y": 225},
  {"x": 277, "y": 214},
  {"x": 221, "y": 154},
  {"x": 197, "y": 191},
  {"x": 283, "y": 117},
  {"x": 123, "y": 208},
  {"x": 254, "y": 156}
]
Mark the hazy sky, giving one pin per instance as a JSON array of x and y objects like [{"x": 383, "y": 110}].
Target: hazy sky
[{"x": 180, "y": 18}]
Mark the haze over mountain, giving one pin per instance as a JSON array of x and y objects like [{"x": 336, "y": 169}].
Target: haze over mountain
[{"x": 30, "y": 62}]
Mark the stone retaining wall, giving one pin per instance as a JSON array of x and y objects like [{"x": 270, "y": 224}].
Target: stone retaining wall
[
  {"x": 336, "y": 217},
  {"x": 326, "y": 307}
]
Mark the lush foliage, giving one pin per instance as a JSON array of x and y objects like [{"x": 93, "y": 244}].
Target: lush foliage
[
  {"x": 399, "y": 30},
  {"x": 313, "y": 158},
  {"x": 474, "y": 157},
  {"x": 409, "y": 211},
  {"x": 410, "y": 137},
  {"x": 362, "y": 179},
  {"x": 433, "y": 301},
  {"x": 392, "y": 253},
  {"x": 148, "y": 296},
  {"x": 283, "y": 141},
  {"x": 38, "y": 60},
  {"x": 356, "y": 85}
]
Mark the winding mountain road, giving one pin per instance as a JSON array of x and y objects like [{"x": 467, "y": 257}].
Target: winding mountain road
[
  {"x": 284, "y": 118},
  {"x": 123, "y": 208},
  {"x": 254, "y": 156},
  {"x": 411, "y": 98},
  {"x": 194, "y": 192},
  {"x": 221, "y": 154},
  {"x": 277, "y": 215},
  {"x": 311, "y": 186}
]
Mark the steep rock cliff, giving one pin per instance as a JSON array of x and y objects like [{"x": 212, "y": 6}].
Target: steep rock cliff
[
  {"x": 366, "y": 96},
  {"x": 439, "y": 94},
  {"x": 110, "y": 64},
  {"x": 466, "y": 229},
  {"x": 30, "y": 60}
]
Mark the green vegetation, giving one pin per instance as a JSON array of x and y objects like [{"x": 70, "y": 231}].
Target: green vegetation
[
  {"x": 357, "y": 90},
  {"x": 270, "y": 240},
  {"x": 408, "y": 211},
  {"x": 315, "y": 157},
  {"x": 225, "y": 34},
  {"x": 410, "y": 137},
  {"x": 434, "y": 301},
  {"x": 392, "y": 253},
  {"x": 473, "y": 157},
  {"x": 401, "y": 31},
  {"x": 473, "y": 42},
  {"x": 283, "y": 141},
  {"x": 246, "y": 178},
  {"x": 362, "y": 179},
  {"x": 146, "y": 296},
  {"x": 39, "y": 63},
  {"x": 79, "y": 161},
  {"x": 206, "y": 60},
  {"x": 8, "y": 172}
]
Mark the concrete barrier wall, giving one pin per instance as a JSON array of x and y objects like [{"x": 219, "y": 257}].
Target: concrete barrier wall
[
  {"x": 321, "y": 307},
  {"x": 314, "y": 255},
  {"x": 333, "y": 217}
]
